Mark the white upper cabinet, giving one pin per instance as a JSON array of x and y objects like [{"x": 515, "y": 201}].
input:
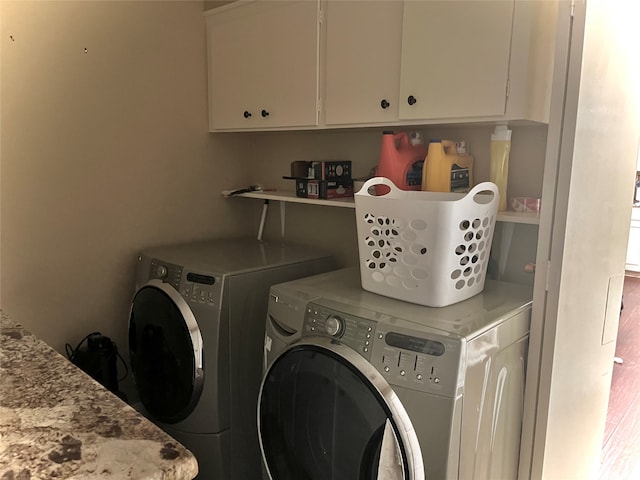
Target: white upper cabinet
[
  {"x": 531, "y": 63},
  {"x": 455, "y": 58},
  {"x": 287, "y": 65},
  {"x": 362, "y": 62},
  {"x": 263, "y": 65}
]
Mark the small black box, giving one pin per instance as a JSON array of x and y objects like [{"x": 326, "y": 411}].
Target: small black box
[{"x": 324, "y": 189}]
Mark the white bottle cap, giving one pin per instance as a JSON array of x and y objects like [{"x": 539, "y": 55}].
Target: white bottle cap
[
  {"x": 501, "y": 133},
  {"x": 415, "y": 138}
]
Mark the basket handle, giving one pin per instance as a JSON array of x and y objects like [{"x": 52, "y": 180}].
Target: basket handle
[
  {"x": 474, "y": 193},
  {"x": 393, "y": 190}
]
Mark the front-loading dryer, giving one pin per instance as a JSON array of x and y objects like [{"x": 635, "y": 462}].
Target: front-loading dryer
[
  {"x": 361, "y": 386},
  {"x": 196, "y": 332}
]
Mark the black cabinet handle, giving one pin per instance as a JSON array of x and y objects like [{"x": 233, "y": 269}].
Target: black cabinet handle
[
  {"x": 264, "y": 113},
  {"x": 384, "y": 104},
  {"x": 411, "y": 100},
  {"x": 246, "y": 114}
]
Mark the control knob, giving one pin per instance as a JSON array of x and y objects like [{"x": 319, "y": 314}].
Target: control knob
[
  {"x": 161, "y": 271},
  {"x": 334, "y": 326}
]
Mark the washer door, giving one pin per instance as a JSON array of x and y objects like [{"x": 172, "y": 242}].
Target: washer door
[
  {"x": 165, "y": 349},
  {"x": 325, "y": 412}
]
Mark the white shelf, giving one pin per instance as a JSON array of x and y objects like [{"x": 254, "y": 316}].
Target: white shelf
[
  {"x": 290, "y": 197},
  {"x": 517, "y": 217}
]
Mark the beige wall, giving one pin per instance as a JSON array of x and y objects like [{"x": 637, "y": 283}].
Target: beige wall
[
  {"x": 102, "y": 154},
  {"x": 209, "y": 4}
]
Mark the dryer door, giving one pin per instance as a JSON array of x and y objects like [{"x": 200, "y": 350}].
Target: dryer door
[
  {"x": 165, "y": 349},
  {"x": 325, "y": 412}
]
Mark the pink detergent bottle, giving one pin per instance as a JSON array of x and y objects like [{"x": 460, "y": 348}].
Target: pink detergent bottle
[{"x": 401, "y": 161}]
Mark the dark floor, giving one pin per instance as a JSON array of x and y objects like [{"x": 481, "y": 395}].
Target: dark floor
[{"x": 621, "y": 447}]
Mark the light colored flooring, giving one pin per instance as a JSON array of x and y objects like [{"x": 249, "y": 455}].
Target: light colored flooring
[{"x": 621, "y": 447}]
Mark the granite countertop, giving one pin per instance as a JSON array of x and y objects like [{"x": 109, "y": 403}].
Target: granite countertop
[{"x": 57, "y": 422}]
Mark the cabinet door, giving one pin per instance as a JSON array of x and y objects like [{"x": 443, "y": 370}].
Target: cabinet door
[
  {"x": 263, "y": 65},
  {"x": 455, "y": 58},
  {"x": 363, "y": 43},
  {"x": 232, "y": 87}
]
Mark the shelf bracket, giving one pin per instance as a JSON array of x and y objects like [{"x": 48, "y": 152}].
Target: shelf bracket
[
  {"x": 263, "y": 218},
  {"x": 282, "y": 212},
  {"x": 505, "y": 246}
]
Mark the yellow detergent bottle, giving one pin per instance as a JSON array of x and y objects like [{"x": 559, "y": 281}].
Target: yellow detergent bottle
[
  {"x": 499, "y": 166},
  {"x": 446, "y": 170}
]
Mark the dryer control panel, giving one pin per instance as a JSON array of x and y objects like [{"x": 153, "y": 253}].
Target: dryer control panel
[
  {"x": 194, "y": 287},
  {"x": 415, "y": 360},
  {"x": 166, "y": 272}
]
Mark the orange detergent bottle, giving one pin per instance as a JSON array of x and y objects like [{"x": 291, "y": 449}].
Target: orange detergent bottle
[
  {"x": 401, "y": 160},
  {"x": 445, "y": 169}
]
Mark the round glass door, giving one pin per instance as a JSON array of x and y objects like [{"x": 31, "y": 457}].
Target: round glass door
[
  {"x": 165, "y": 349},
  {"x": 323, "y": 416}
]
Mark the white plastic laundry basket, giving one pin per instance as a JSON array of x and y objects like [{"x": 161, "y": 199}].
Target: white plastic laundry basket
[{"x": 425, "y": 247}]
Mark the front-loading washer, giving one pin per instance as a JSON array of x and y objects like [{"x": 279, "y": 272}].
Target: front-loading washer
[
  {"x": 349, "y": 373},
  {"x": 196, "y": 332}
]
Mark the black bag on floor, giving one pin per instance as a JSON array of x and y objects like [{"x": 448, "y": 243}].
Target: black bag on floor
[{"x": 98, "y": 359}]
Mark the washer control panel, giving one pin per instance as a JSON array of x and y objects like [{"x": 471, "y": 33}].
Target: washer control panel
[
  {"x": 353, "y": 331},
  {"x": 419, "y": 361}
]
